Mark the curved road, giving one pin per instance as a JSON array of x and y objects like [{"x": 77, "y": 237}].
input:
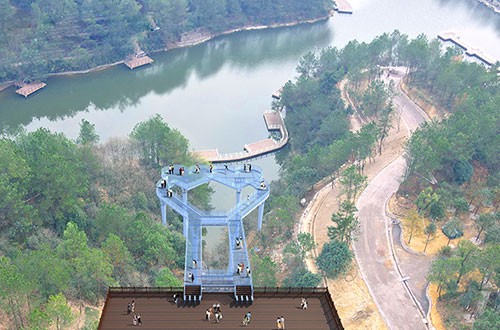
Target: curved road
[{"x": 372, "y": 249}]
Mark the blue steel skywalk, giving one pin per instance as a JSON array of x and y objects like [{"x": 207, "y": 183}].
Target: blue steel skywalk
[{"x": 172, "y": 190}]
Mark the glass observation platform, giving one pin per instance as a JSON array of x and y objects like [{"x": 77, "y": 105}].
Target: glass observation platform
[{"x": 172, "y": 190}]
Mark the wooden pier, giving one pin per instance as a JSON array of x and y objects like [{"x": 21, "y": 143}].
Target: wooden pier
[
  {"x": 28, "y": 89},
  {"x": 136, "y": 62},
  {"x": 454, "y": 38},
  {"x": 343, "y": 7},
  {"x": 277, "y": 95},
  {"x": 274, "y": 122}
]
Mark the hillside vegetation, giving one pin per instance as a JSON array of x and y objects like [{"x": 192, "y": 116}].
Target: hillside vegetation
[
  {"x": 48, "y": 36},
  {"x": 78, "y": 216},
  {"x": 453, "y": 175}
]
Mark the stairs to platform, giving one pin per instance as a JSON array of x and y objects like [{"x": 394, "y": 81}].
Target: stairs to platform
[{"x": 192, "y": 294}]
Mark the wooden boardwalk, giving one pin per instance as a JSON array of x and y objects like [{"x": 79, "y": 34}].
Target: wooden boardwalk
[
  {"x": 28, "y": 89},
  {"x": 274, "y": 122},
  {"x": 158, "y": 311},
  {"x": 136, "y": 62},
  {"x": 470, "y": 51}
]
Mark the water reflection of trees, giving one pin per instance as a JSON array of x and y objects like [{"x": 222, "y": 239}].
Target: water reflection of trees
[
  {"x": 216, "y": 256},
  {"x": 120, "y": 88}
]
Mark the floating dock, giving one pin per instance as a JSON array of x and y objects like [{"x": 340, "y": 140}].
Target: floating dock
[
  {"x": 343, "y": 7},
  {"x": 274, "y": 122},
  {"x": 28, "y": 89},
  {"x": 136, "y": 62},
  {"x": 277, "y": 95},
  {"x": 454, "y": 38}
]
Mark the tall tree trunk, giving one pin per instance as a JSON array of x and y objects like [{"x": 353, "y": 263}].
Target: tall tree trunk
[
  {"x": 14, "y": 312},
  {"x": 427, "y": 241},
  {"x": 479, "y": 234}
]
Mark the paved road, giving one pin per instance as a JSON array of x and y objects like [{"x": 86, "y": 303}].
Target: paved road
[{"x": 372, "y": 249}]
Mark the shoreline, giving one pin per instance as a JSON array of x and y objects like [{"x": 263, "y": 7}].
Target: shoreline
[{"x": 201, "y": 38}]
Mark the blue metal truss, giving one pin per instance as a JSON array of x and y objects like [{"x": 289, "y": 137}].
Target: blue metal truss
[{"x": 172, "y": 190}]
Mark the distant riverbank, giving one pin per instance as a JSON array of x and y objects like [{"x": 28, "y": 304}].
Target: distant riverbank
[{"x": 187, "y": 40}]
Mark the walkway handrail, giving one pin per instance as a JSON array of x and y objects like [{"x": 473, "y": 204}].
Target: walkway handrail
[{"x": 244, "y": 155}]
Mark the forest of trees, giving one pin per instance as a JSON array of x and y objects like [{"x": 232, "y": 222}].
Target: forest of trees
[
  {"x": 48, "y": 36},
  {"x": 78, "y": 216},
  {"x": 453, "y": 164}
]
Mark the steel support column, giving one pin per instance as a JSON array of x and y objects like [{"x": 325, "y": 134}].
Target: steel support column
[
  {"x": 163, "y": 207},
  {"x": 261, "y": 215},
  {"x": 185, "y": 217}
]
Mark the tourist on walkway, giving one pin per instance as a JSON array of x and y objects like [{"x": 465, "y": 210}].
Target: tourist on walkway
[
  {"x": 248, "y": 271},
  {"x": 218, "y": 317},
  {"x": 134, "y": 320},
  {"x": 132, "y": 306},
  {"x": 195, "y": 264},
  {"x": 176, "y": 298},
  {"x": 282, "y": 319},
  {"x": 278, "y": 323},
  {"x": 129, "y": 308},
  {"x": 139, "y": 319},
  {"x": 208, "y": 314},
  {"x": 303, "y": 304},
  {"x": 246, "y": 318}
]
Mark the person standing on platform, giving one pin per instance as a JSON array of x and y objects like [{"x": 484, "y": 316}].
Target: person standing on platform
[
  {"x": 303, "y": 304},
  {"x": 246, "y": 318},
  {"x": 282, "y": 319},
  {"x": 218, "y": 316}
]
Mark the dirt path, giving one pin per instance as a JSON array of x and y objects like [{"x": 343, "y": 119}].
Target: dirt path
[{"x": 373, "y": 252}]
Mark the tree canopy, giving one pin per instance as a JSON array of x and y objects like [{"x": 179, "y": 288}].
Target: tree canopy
[{"x": 49, "y": 36}]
